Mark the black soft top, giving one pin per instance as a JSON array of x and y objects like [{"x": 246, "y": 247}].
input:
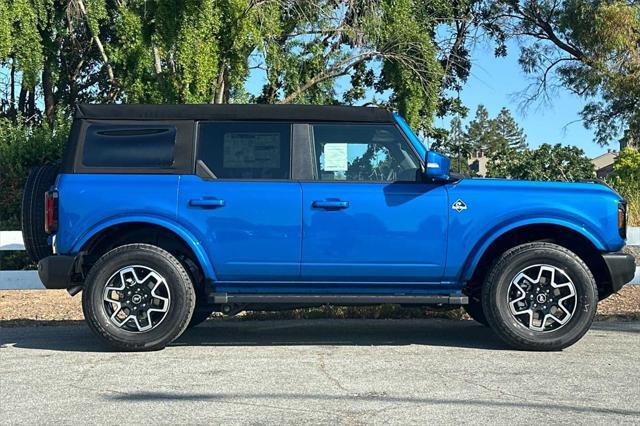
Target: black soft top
[{"x": 233, "y": 112}]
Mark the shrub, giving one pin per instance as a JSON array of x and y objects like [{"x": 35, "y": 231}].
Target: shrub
[
  {"x": 22, "y": 147},
  {"x": 626, "y": 180},
  {"x": 547, "y": 162}
]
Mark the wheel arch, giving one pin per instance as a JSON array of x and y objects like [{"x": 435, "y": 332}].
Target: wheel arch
[
  {"x": 579, "y": 240},
  {"x": 144, "y": 229}
]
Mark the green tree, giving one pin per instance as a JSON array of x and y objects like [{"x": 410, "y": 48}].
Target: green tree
[
  {"x": 481, "y": 131},
  {"x": 507, "y": 132},
  {"x": 547, "y": 163},
  {"x": 491, "y": 135},
  {"x": 590, "y": 47},
  {"x": 60, "y": 52},
  {"x": 457, "y": 146}
]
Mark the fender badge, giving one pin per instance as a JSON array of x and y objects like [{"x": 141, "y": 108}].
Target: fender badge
[{"x": 459, "y": 205}]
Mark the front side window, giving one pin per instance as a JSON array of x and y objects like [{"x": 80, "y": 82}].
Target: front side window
[
  {"x": 129, "y": 145},
  {"x": 246, "y": 150},
  {"x": 363, "y": 152}
]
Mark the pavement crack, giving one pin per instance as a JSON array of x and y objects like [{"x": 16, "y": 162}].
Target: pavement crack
[{"x": 323, "y": 369}]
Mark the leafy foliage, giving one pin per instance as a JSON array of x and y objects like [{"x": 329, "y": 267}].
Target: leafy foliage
[
  {"x": 58, "y": 53},
  {"x": 23, "y": 147},
  {"x": 591, "y": 47},
  {"x": 547, "y": 163},
  {"x": 626, "y": 180},
  {"x": 482, "y": 135}
]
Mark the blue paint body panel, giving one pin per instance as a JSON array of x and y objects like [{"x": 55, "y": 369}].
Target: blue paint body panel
[
  {"x": 267, "y": 236},
  {"x": 497, "y": 206},
  {"x": 255, "y": 235},
  {"x": 89, "y": 200},
  {"x": 379, "y": 237}
]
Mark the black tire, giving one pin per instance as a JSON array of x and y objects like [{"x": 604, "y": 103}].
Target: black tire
[
  {"x": 36, "y": 241},
  {"x": 514, "y": 332},
  {"x": 475, "y": 311},
  {"x": 200, "y": 314},
  {"x": 180, "y": 307}
]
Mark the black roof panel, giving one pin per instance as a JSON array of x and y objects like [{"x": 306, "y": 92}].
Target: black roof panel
[{"x": 234, "y": 112}]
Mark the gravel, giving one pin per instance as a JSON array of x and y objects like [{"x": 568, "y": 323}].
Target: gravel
[{"x": 56, "y": 307}]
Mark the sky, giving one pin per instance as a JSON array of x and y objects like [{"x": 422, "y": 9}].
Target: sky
[{"x": 496, "y": 83}]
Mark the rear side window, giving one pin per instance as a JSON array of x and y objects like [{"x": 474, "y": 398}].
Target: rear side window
[
  {"x": 129, "y": 145},
  {"x": 246, "y": 150}
]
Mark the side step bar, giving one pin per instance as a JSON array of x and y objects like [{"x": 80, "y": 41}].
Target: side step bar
[{"x": 338, "y": 299}]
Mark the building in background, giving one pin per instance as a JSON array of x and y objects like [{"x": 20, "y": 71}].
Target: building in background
[
  {"x": 478, "y": 163},
  {"x": 604, "y": 164}
]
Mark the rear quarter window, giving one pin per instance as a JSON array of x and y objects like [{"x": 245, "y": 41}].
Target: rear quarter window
[
  {"x": 246, "y": 150},
  {"x": 129, "y": 145}
]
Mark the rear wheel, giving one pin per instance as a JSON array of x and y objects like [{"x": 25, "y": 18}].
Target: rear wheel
[
  {"x": 138, "y": 297},
  {"x": 540, "y": 296},
  {"x": 36, "y": 241}
]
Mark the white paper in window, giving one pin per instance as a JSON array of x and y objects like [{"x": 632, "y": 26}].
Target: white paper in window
[{"x": 335, "y": 157}]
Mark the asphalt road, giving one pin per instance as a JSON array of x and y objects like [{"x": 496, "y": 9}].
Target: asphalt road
[{"x": 324, "y": 371}]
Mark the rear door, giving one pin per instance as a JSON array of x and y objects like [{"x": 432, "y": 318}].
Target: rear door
[
  {"x": 369, "y": 223},
  {"x": 243, "y": 205}
]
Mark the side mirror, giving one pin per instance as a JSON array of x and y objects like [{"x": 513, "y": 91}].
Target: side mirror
[{"x": 437, "y": 166}]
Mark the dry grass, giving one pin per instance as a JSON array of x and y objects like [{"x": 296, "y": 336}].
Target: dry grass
[{"x": 55, "y": 307}]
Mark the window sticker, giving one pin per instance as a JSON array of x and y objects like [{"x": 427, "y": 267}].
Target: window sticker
[
  {"x": 335, "y": 157},
  {"x": 251, "y": 150}
]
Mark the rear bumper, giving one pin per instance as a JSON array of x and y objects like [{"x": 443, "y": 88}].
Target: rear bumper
[
  {"x": 56, "y": 272},
  {"x": 622, "y": 268}
]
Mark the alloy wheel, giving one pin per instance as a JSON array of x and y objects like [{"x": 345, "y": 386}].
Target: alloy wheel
[
  {"x": 542, "y": 298},
  {"x": 136, "y": 298}
]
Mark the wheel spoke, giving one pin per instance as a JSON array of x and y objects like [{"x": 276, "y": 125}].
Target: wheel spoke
[
  {"x": 136, "y": 298},
  {"x": 544, "y": 303}
]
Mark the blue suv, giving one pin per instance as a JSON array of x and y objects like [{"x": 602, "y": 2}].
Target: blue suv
[{"x": 163, "y": 214}]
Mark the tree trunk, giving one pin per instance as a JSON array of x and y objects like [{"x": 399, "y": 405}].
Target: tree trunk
[
  {"x": 22, "y": 99},
  {"x": 47, "y": 88},
  {"x": 31, "y": 104},
  {"x": 220, "y": 87},
  {"x": 99, "y": 45},
  {"x": 12, "y": 96},
  {"x": 157, "y": 65}
]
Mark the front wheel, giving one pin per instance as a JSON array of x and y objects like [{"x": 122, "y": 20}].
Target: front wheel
[
  {"x": 138, "y": 297},
  {"x": 475, "y": 311},
  {"x": 540, "y": 296}
]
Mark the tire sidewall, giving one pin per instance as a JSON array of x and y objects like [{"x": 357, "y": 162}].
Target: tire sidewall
[
  {"x": 495, "y": 299},
  {"x": 36, "y": 240},
  {"x": 180, "y": 308}
]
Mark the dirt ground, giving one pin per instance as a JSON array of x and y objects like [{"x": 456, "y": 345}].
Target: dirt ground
[{"x": 56, "y": 307}]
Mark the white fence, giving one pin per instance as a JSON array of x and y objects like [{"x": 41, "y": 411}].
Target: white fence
[
  {"x": 16, "y": 280},
  {"x": 19, "y": 280}
]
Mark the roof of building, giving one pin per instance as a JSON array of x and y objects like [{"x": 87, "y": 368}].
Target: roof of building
[
  {"x": 234, "y": 112},
  {"x": 605, "y": 160}
]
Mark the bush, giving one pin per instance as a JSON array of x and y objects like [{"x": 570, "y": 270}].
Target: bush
[
  {"x": 547, "y": 162},
  {"x": 22, "y": 147},
  {"x": 626, "y": 180}
]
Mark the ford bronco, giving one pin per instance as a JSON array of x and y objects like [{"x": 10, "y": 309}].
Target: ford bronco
[{"x": 163, "y": 214}]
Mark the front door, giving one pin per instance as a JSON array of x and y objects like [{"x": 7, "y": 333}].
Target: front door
[
  {"x": 243, "y": 205},
  {"x": 369, "y": 223}
]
